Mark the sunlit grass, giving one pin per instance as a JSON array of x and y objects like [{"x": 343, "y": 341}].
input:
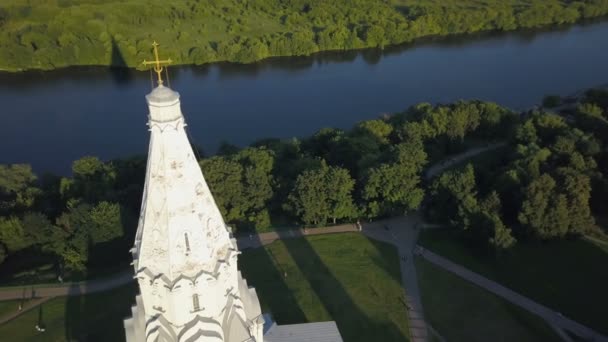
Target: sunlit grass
[
  {"x": 569, "y": 276},
  {"x": 461, "y": 311},
  {"x": 95, "y": 317},
  {"x": 342, "y": 277}
]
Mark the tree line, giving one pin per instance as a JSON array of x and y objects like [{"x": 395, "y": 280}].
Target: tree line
[
  {"x": 45, "y": 34},
  {"x": 546, "y": 182}
]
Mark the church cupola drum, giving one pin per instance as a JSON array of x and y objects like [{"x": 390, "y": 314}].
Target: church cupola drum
[{"x": 184, "y": 255}]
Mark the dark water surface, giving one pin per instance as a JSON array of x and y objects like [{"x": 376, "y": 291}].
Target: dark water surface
[{"x": 49, "y": 119}]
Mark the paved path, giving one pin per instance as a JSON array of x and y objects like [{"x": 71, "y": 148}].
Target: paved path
[
  {"x": 71, "y": 289},
  {"x": 263, "y": 239},
  {"x": 29, "y": 305},
  {"x": 403, "y": 233},
  {"x": 553, "y": 318},
  {"x": 453, "y": 160}
]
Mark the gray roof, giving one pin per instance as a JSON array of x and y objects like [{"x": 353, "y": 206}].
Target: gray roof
[{"x": 307, "y": 332}]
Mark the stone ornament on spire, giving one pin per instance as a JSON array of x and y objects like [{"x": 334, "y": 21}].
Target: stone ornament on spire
[{"x": 158, "y": 64}]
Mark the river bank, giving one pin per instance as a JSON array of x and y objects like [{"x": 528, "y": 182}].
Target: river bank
[
  {"x": 119, "y": 33},
  {"x": 52, "y": 118}
]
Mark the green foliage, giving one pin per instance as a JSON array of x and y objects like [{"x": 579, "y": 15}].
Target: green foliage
[
  {"x": 17, "y": 187},
  {"x": 242, "y": 185},
  {"x": 225, "y": 180},
  {"x": 309, "y": 197},
  {"x": 544, "y": 211},
  {"x": 105, "y": 222},
  {"x": 322, "y": 194},
  {"x": 394, "y": 187},
  {"x": 92, "y": 181},
  {"x": 12, "y": 235},
  {"x": 378, "y": 128},
  {"x": 53, "y": 34},
  {"x": 455, "y": 200},
  {"x": 3, "y": 253}
]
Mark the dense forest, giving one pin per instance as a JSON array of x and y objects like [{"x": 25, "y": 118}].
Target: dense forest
[
  {"x": 49, "y": 34},
  {"x": 546, "y": 180}
]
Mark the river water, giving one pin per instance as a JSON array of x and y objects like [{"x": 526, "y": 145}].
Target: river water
[{"x": 50, "y": 119}]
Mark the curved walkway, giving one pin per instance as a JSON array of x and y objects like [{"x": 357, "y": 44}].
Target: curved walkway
[
  {"x": 23, "y": 308},
  {"x": 403, "y": 233},
  {"x": 552, "y": 317},
  {"x": 68, "y": 289},
  {"x": 453, "y": 160}
]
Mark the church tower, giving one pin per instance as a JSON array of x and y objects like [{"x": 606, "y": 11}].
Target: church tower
[{"x": 184, "y": 255}]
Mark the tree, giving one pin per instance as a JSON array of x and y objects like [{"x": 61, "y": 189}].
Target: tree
[
  {"x": 3, "y": 253},
  {"x": 309, "y": 197},
  {"x": 544, "y": 212},
  {"x": 257, "y": 165},
  {"x": 12, "y": 235},
  {"x": 454, "y": 196},
  {"x": 74, "y": 249},
  {"x": 499, "y": 236},
  {"x": 224, "y": 177},
  {"x": 378, "y": 128},
  {"x": 340, "y": 186},
  {"x": 242, "y": 185},
  {"x": 38, "y": 229},
  {"x": 323, "y": 193},
  {"x": 105, "y": 222},
  {"x": 92, "y": 181},
  {"x": 18, "y": 190},
  {"x": 392, "y": 188},
  {"x": 577, "y": 189}
]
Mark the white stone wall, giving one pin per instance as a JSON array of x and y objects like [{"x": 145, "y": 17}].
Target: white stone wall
[{"x": 183, "y": 246}]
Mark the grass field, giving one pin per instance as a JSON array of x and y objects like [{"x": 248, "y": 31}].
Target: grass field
[
  {"x": 9, "y": 306},
  {"x": 461, "y": 311},
  {"x": 568, "y": 276},
  {"x": 96, "y": 317},
  {"x": 345, "y": 277}
]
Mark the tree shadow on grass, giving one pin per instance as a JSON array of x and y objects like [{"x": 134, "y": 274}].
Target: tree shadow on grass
[
  {"x": 353, "y": 323},
  {"x": 262, "y": 272},
  {"x": 95, "y": 311},
  {"x": 388, "y": 258},
  {"x": 98, "y": 316}
]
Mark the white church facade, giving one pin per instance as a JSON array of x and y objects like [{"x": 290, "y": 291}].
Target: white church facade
[{"x": 184, "y": 255}]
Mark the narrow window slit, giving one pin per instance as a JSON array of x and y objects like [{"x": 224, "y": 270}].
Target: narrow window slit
[
  {"x": 195, "y": 303},
  {"x": 187, "y": 243}
]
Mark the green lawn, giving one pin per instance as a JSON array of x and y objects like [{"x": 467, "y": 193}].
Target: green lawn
[
  {"x": 461, "y": 311},
  {"x": 9, "y": 306},
  {"x": 96, "y": 317},
  {"x": 568, "y": 276},
  {"x": 345, "y": 277}
]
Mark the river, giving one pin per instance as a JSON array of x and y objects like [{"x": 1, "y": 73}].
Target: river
[{"x": 51, "y": 118}]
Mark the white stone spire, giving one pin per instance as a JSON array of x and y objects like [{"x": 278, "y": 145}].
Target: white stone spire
[{"x": 185, "y": 258}]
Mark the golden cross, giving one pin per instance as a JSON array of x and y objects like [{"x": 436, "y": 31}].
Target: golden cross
[{"x": 158, "y": 64}]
